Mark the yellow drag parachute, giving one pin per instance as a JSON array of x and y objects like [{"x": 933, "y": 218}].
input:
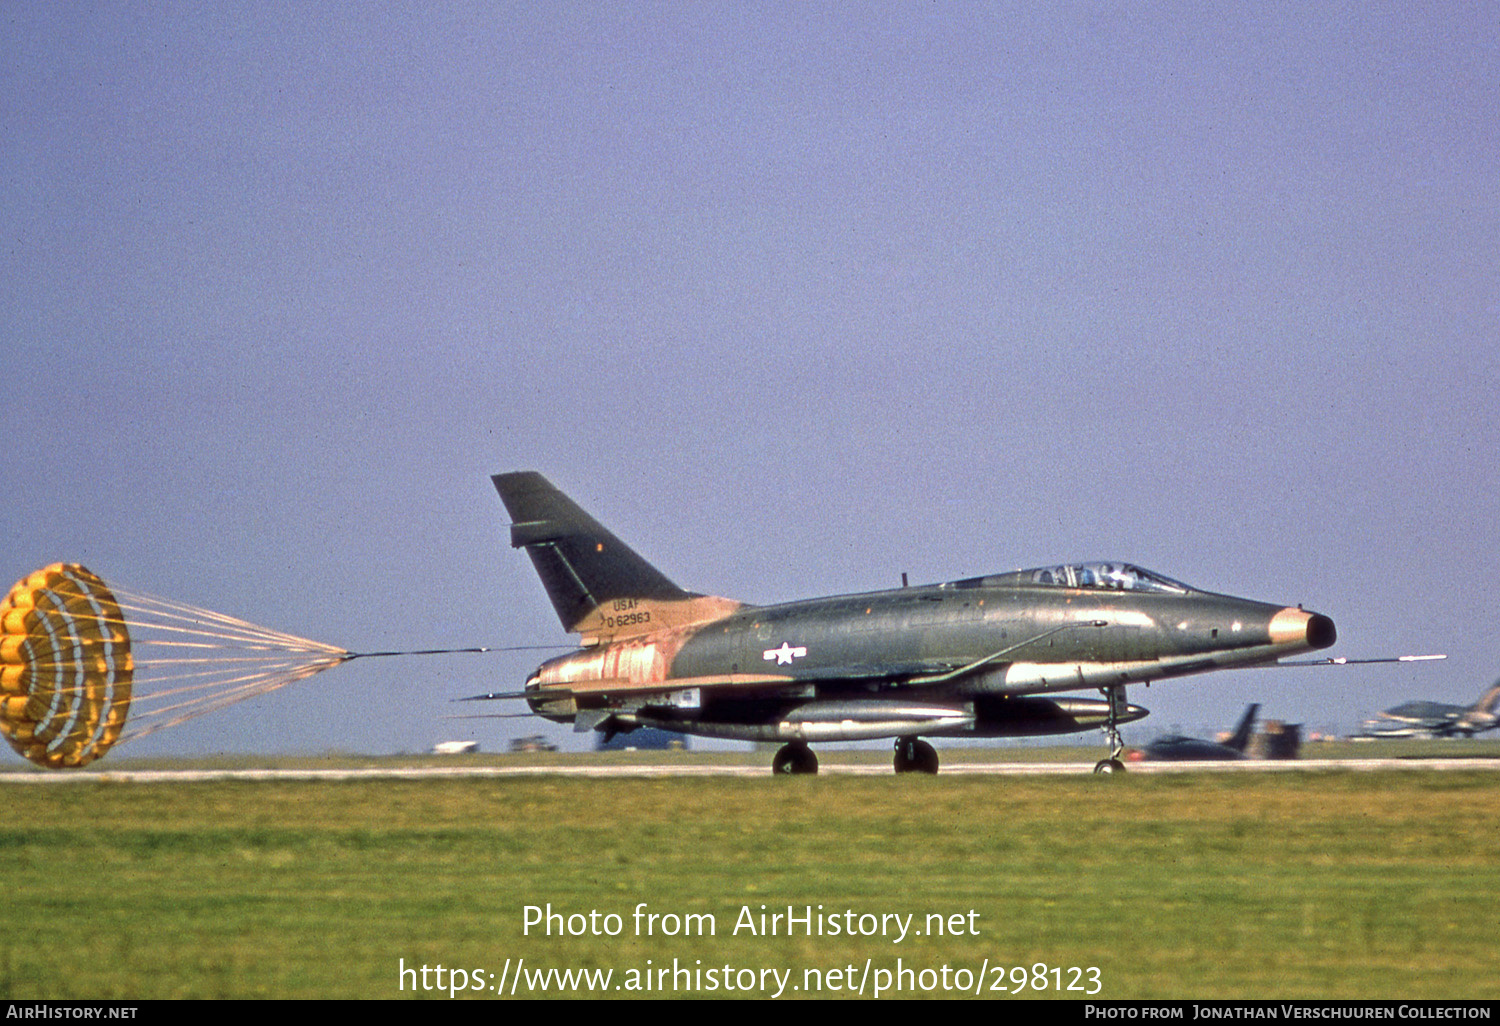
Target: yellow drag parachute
[
  {"x": 65, "y": 667},
  {"x": 76, "y": 661}
]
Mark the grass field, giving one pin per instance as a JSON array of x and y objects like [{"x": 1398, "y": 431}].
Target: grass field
[{"x": 1316, "y": 885}]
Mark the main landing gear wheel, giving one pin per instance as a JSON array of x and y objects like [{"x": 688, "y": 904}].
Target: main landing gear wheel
[
  {"x": 794, "y": 758},
  {"x": 1105, "y": 767},
  {"x": 914, "y": 755}
]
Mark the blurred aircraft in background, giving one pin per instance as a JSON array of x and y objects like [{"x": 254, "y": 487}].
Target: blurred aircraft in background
[{"x": 1435, "y": 719}]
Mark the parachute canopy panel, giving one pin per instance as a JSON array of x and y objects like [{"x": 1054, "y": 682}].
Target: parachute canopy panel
[{"x": 65, "y": 667}]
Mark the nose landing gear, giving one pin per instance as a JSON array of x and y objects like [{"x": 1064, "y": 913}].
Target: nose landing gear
[{"x": 1117, "y": 705}]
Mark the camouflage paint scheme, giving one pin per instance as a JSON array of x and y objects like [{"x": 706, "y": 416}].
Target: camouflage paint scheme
[{"x": 982, "y": 657}]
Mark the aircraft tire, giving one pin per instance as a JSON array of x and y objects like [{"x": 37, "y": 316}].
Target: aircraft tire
[
  {"x": 914, "y": 755},
  {"x": 1108, "y": 767},
  {"x": 794, "y": 758}
]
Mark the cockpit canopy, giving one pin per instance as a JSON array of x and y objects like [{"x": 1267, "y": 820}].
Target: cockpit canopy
[
  {"x": 1107, "y": 576},
  {"x": 1094, "y": 576}
]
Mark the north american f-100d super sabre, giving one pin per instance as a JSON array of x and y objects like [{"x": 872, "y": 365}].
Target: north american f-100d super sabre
[{"x": 991, "y": 656}]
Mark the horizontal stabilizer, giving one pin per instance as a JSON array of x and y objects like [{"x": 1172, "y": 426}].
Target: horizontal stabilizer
[
  {"x": 625, "y": 686},
  {"x": 590, "y": 719}
]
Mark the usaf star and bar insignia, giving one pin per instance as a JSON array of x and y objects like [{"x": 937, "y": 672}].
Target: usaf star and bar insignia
[{"x": 785, "y": 654}]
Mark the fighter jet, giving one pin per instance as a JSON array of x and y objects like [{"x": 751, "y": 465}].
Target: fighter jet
[
  {"x": 1436, "y": 719},
  {"x": 985, "y": 657},
  {"x": 1179, "y": 748}
]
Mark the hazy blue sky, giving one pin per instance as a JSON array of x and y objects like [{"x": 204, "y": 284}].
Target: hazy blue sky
[{"x": 794, "y": 297}]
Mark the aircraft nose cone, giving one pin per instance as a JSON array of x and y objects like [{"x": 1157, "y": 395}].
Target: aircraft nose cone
[{"x": 1301, "y": 628}]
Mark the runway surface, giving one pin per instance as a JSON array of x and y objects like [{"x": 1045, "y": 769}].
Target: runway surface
[{"x": 667, "y": 770}]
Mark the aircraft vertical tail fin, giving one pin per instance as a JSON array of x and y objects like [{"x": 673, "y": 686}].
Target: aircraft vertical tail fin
[
  {"x": 598, "y": 585},
  {"x": 1483, "y": 714},
  {"x": 1240, "y": 739},
  {"x": 1489, "y": 702}
]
